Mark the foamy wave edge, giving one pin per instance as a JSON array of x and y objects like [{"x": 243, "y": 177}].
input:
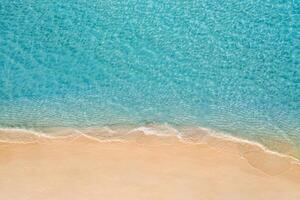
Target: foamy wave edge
[{"x": 165, "y": 130}]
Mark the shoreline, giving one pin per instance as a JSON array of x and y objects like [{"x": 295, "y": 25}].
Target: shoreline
[
  {"x": 142, "y": 166},
  {"x": 196, "y": 135}
]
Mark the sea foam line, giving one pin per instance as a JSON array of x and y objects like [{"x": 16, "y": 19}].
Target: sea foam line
[
  {"x": 159, "y": 130},
  {"x": 231, "y": 138}
]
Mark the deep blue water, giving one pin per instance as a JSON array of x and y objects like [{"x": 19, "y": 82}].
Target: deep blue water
[{"x": 229, "y": 65}]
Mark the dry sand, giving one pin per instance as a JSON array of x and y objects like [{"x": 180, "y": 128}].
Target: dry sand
[{"x": 144, "y": 167}]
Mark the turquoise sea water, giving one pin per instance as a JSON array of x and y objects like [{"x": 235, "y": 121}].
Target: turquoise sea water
[{"x": 233, "y": 66}]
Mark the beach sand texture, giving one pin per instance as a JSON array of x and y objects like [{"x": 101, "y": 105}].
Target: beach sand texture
[{"x": 144, "y": 167}]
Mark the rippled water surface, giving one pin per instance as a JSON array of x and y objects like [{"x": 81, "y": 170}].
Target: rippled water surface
[{"x": 231, "y": 65}]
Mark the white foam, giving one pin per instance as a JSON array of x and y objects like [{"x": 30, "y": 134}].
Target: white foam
[
  {"x": 231, "y": 138},
  {"x": 36, "y": 134},
  {"x": 164, "y": 130}
]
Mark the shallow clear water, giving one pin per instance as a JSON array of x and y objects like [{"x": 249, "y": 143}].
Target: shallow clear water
[{"x": 228, "y": 65}]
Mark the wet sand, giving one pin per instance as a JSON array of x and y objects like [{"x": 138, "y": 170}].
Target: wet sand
[{"x": 144, "y": 167}]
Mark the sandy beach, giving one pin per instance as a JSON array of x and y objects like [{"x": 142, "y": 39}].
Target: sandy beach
[{"x": 144, "y": 167}]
